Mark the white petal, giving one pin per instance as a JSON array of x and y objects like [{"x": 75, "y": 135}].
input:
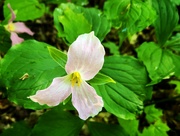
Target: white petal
[
  {"x": 57, "y": 92},
  {"x": 86, "y": 100},
  {"x": 22, "y": 28},
  {"x": 13, "y": 16},
  {"x": 86, "y": 56},
  {"x": 16, "y": 39}
]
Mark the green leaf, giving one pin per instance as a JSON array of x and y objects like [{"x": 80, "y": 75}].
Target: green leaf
[
  {"x": 123, "y": 98},
  {"x": 5, "y": 42},
  {"x": 157, "y": 61},
  {"x": 152, "y": 114},
  {"x": 64, "y": 17},
  {"x": 58, "y": 56},
  {"x": 18, "y": 128},
  {"x": 177, "y": 2},
  {"x": 114, "y": 49},
  {"x": 176, "y": 62},
  {"x": 57, "y": 123},
  {"x": 101, "y": 79},
  {"x": 99, "y": 22},
  {"x": 99, "y": 129},
  {"x": 157, "y": 129},
  {"x": 166, "y": 21},
  {"x": 129, "y": 16},
  {"x": 26, "y": 68},
  {"x": 84, "y": 20},
  {"x": 130, "y": 126},
  {"x": 27, "y": 9},
  {"x": 174, "y": 43}
]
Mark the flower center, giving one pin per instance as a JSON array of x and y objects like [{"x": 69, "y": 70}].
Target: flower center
[
  {"x": 75, "y": 79},
  {"x": 10, "y": 27}
]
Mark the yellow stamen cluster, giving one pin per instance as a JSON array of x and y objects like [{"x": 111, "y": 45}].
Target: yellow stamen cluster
[
  {"x": 76, "y": 79},
  {"x": 10, "y": 27}
]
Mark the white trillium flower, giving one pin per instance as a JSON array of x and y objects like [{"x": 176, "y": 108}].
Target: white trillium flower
[
  {"x": 84, "y": 60},
  {"x": 15, "y": 28}
]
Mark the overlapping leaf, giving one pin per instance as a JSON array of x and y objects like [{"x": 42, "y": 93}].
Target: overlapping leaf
[
  {"x": 157, "y": 61},
  {"x": 27, "y": 68},
  {"x": 130, "y": 16},
  {"x": 29, "y": 10},
  {"x": 71, "y": 21},
  {"x": 166, "y": 21},
  {"x": 124, "y": 98}
]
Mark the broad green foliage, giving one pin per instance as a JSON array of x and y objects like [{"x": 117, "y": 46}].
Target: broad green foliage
[
  {"x": 166, "y": 21},
  {"x": 125, "y": 82},
  {"x": 124, "y": 98},
  {"x": 152, "y": 114},
  {"x": 25, "y": 70},
  {"x": 64, "y": 17},
  {"x": 130, "y": 16},
  {"x": 5, "y": 41},
  {"x": 99, "y": 129},
  {"x": 57, "y": 122},
  {"x": 29, "y": 10},
  {"x": 84, "y": 20},
  {"x": 157, "y": 61},
  {"x": 18, "y": 129},
  {"x": 157, "y": 129}
]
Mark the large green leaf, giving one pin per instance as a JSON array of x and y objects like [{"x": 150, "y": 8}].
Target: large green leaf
[
  {"x": 64, "y": 17},
  {"x": 26, "y": 9},
  {"x": 166, "y": 21},
  {"x": 57, "y": 123},
  {"x": 84, "y": 20},
  {"x": 27, "y": 68},
  {"x": 130, "y": 16},
  {"x": 99, "y": 129},
  {"x": 124, "y": 98},
  {"x": 157, "y": 61}
]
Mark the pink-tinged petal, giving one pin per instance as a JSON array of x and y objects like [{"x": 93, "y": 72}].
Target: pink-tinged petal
[
  {"x": 85, "y": 55},
  {"x": 15, "y": 38},
  {"x": 86, "y": 100},
  {"x": 13, "y": 16},
  {"x": 22, "y": 28},
  {"x": 57, "y": 92}
]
